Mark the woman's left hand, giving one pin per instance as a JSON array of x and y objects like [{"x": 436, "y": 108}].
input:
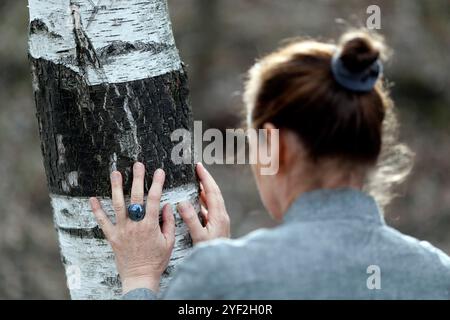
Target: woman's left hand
[{"x": 142, "y": 249}]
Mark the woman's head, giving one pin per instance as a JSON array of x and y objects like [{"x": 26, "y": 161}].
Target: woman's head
[{"x": 331, "y": 130}]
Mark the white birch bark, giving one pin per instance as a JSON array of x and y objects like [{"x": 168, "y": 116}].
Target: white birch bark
[{"x": 108, "y": 21}]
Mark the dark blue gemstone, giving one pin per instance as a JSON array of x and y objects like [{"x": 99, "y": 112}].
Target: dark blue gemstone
[{"x": 136, "y": 212}]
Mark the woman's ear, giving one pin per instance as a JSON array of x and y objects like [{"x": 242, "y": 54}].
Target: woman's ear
[
  {"x": 269, "y": 151},
  {"x": 287, "y": 146}
]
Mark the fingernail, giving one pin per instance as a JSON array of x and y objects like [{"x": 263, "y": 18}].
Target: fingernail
[
  {"x": 169, "y": 207},
  {"x": 138, "y": 165},
  {"x": 93, "y": 202},
  {"x": 115, "y": 175},
  {"x": 182, "y": 206},
  {"x": 158, "y": 173}
]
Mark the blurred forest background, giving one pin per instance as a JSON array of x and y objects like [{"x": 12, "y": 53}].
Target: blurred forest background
[{"x": 219, "y": 40}]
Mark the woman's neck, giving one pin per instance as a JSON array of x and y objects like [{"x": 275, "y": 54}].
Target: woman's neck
[{"x": 324, "y": 176}]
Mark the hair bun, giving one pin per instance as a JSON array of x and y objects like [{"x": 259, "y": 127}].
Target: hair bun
[
  {"x": 356, "y": 64},
  {"x": 359, "y": 51}
]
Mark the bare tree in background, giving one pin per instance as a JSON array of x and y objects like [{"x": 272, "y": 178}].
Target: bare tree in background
[{"x": 109, "y": 90}]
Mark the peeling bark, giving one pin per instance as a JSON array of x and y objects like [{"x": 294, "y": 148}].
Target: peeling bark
[{"x": 109, "y": 90}]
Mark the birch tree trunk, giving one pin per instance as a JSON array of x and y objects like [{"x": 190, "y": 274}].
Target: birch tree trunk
[{"x": 109, "y": 90}]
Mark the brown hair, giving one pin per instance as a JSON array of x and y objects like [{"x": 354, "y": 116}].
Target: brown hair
[{"x": 294, "y": 88}]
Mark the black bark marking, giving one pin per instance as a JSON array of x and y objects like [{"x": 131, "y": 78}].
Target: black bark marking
[
  {"x": 66, "y": 212},
  {"x": 112, "y": 282},
  {"x": 84, "y": 47},
  {"x": 116, "y": 48},
  {"x": 168, "y": 271},
  {"x": 38, "y": 26},
  {"x": 82, "y": 127},
  {"x": 85, "y": 233},
  {"x": 186, "y": 241}
]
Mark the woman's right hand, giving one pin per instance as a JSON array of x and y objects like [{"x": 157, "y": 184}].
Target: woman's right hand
[{"x": 215, "y": 216}]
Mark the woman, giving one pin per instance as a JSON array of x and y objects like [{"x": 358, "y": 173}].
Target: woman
[{"x": 334, "y": 117}]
